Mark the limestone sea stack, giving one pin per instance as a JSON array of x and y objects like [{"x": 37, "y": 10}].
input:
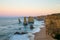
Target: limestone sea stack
[
  {"x": 25, "y": 21},
  {"x": 30, "y": 19},
  {"x": 19, "y": 20}
]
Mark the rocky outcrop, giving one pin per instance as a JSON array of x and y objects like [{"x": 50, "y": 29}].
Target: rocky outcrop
[
  {"x": 25, "y": 21},
  {"x": 30, "y": 19},
  {"x": 52, "y": 23},
  {"x": 19, "y": 20},
  {"x": 31, "y": 27}
]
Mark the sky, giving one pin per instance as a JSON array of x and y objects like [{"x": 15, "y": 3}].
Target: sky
[{"x": 29, "y": 7}]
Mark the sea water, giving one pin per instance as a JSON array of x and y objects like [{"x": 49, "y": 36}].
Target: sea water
[{"x": 8, "y": 26}]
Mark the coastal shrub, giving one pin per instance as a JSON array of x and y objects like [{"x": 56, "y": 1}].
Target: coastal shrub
[{"x": 57, "y": 36}]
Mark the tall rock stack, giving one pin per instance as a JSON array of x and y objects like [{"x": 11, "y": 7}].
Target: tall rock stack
[
  {"x": 52, "y": 23},
  {"x": 19, "y": 20},
  {"x": 25, "y": 21},
  {"x": 30, "y": 19}
]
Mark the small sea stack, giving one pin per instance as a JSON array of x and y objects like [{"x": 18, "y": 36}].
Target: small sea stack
[
  {"x": 31, "y": 27},
  {"x": 25, "y": 21},
  {"x": 30, "y": 19},
  {"x": 19, "y": 20}
]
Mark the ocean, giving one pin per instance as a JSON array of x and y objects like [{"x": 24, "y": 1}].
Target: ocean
[{"x": 10, "y": 25}]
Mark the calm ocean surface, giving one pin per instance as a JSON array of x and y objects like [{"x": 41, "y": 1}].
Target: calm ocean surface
[{"x": 8, "y": 26}]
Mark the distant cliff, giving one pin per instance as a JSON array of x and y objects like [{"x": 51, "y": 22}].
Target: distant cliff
[
  {"x": 40, "y": 18},
  {"x": 52, "y": 23}
]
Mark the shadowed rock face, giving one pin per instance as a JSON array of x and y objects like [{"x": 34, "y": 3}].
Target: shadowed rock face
[
  {"x": 31, "y": 27},
  {"x": 19, "y": 20},
  {"x": 57, "y": 36},
  {"x": 52, "y": 23}
]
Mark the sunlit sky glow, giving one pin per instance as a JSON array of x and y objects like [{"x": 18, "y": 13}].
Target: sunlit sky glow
[{"x": 28, "y": 7}]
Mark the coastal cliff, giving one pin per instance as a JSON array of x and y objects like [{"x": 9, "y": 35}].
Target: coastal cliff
[
  {"x": 52, "y": 23},
  {"x": 40, "y": 18}
]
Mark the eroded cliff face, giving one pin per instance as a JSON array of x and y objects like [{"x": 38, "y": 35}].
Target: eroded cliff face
[
  {"x": 40, "y": 18},
  {"x": 52, "y": 23}
]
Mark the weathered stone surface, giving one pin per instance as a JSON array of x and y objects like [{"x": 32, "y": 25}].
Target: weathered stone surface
[
  {"x": 30, "y": 19},
  {"x": 25, "y": 21},
  {"x": 52, "y": 23}
]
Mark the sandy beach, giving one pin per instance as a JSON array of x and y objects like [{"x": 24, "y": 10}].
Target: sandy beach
[{"x": 42, "y": 35}]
